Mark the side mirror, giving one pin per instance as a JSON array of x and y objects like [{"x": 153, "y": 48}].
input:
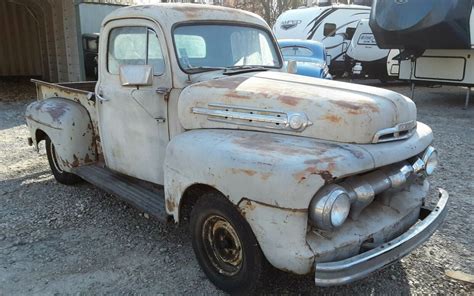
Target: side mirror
[
  {"x": 350, "y": 33},
  {"x": 292, "y": 67},
  {"x": 136, "y": 75},
  {"x": 329, "y": 30}
]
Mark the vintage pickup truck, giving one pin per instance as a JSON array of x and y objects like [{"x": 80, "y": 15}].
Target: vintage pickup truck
[{"x": 194, "y": 118}]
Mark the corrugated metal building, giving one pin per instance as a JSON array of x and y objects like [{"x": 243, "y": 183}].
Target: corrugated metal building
[{"x": 43, "y": 37}]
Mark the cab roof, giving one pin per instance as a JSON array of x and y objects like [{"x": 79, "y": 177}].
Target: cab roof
[{"x": 168, "y": 14}]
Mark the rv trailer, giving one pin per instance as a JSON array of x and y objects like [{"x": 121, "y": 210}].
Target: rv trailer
[
  {"x": 436, "y": 39},
  {"x": 332, "y": 25},
  {"x": 365, "y": 59}
]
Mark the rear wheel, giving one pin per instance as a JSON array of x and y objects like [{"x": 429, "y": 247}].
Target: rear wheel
[
  {"x": 225, "y": 245},
  {"x": 59, "y": 174}
]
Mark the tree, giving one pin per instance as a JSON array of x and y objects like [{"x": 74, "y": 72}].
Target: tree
[{"x": 268, "y": 9}]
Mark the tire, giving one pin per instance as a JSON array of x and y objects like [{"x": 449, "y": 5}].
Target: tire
[
  {"x": 217, "y": 231},
  {"x": 60, "y": 175}
]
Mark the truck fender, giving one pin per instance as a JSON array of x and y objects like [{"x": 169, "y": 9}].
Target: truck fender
[
  {"x": 278, "y": 170},
  {"x": 69, "y": 127}
]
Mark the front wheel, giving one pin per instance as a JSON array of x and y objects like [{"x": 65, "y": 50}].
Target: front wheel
[
  {"x": 225, "y": 245},
  {"x": 59, "y": 174}
]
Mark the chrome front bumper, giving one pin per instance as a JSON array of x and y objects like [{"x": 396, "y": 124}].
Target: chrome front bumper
[{"x": 360, "y": 266}]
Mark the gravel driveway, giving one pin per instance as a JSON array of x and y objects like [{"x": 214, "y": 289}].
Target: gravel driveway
[{"x": 57, "y": 239}]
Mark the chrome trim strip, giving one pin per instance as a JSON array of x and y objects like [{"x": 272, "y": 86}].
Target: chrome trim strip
[
  {"x": 248, "y": 116},
  {"x": 409, "y": 126},
  {"x": 241, "y": 116},
  {"x": 360, "y": 266}
]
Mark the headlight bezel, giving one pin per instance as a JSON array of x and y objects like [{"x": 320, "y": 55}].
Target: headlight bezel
[
  {"x": 322, "y": 207},
  {"x": 431, "y": 160}
]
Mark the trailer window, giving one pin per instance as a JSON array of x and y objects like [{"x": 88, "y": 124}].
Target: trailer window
[{"x": 134, "y": 46}]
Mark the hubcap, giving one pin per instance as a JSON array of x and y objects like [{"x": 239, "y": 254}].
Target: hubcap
[
  {"x": 222, "y": 245},
  {"x": 54, "y": 157}
]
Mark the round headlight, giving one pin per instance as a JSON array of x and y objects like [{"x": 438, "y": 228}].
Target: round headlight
[
  {"x": 430, "y": 158},
  {"x": 340, "y": 210},
  {"x": 330, "y": 207}
]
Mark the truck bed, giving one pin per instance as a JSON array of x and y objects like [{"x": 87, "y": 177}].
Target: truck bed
[{"x": 81, "y": 92}]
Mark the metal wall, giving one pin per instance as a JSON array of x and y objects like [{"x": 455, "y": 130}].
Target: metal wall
[
  {"x": 43, "y": 37},
  {"x": 19, "y": 54}
]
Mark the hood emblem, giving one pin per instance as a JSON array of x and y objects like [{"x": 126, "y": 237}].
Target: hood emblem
[
  {"x": 401, "y": 1},
  {"x": 260, "y": 118}
]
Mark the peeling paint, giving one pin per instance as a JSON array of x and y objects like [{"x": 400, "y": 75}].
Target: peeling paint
[
  {"x": 356, "y": 108},
  {"x": 332, "y": 118},
  {"x": 170, "y": 205}
]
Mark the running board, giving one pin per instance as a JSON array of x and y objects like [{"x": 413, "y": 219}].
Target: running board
[{"x": 147, "y": 200}]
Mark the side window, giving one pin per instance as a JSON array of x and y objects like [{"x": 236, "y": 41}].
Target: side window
[{"x": 134, "y": 46}]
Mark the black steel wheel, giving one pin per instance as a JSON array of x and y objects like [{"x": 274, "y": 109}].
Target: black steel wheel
[{"x": 225, "y": 245}]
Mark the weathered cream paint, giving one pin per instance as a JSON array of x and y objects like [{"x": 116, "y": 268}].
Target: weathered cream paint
[
  {"x": 67, "y": 124},
  {"x": 133, "y": 121},
  {"x": 339, "y": 111},
  {"x": 270, "y": 174},
  {"x": 290, "y": 252},
  {"x": 279, "y": 170}
]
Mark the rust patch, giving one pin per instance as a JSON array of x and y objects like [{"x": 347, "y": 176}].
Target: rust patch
[
  {"x": 332, "y": 118},
  {"x": 265, "y": 176},
  {"x": 289, "y": 100},
  {"x": 325, "y": 174},
  {"x": 87, "y": 158},
  {"x": 355, "y": 108},
  {"x": 244, "y": 171},
  {"x": 250, "y": 205},
  {"x": 170, "y": 205},
  {"x": 75, "y": 163},
  {"x": 235, "y": 95}
]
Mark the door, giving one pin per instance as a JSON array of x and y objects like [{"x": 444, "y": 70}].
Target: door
[{"x": 133, "y": 120}]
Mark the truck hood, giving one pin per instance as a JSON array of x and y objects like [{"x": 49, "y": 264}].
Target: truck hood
[{"x": 298, "y": 105}]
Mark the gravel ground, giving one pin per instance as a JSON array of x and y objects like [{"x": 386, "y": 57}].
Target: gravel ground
[{"x": 57, "y": 239}]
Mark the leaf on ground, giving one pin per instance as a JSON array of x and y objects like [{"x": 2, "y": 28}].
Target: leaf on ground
[{"x": 460, "y": 276}]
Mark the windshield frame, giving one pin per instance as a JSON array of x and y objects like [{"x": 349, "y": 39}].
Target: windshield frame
[{"x": 227, "y": 23}]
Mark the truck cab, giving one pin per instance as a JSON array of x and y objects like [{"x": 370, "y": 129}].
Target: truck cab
[{"x": 194, "y": 117}]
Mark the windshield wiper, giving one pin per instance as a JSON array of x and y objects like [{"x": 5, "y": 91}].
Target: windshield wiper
[
  {"x": 200, "y": 69},
  {"x": 243, "y": 68}
]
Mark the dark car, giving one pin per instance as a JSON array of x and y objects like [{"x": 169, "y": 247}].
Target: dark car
[{"x": 310, "y": 57}]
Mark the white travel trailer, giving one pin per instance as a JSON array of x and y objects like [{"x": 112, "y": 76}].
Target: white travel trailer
[
  {"x": 365, "y": 58},
  {"x": 332, "y": 25},
  {"x": 436, "y": 42}
]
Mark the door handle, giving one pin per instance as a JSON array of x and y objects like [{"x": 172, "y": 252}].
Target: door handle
[
  {"x": 161, "y": 119},
  {"x": 100, "y": 97}
]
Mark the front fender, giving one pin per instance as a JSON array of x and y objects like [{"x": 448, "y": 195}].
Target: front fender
[
  {"x": 69, "y": 127},
  {"x": 278, "y": 170}
]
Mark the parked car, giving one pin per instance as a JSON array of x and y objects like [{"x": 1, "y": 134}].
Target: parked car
[
  {"x": 310, "y": 56},
  {"x": 193, "y": 117}
]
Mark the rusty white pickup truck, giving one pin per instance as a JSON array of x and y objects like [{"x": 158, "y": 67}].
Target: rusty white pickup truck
[{"x": 194, "y": 117}]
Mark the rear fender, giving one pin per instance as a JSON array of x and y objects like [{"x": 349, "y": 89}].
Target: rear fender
[{"x": 69, "y": 127}]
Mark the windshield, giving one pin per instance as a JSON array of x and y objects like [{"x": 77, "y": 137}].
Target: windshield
[{"x": 206, "y": 47}]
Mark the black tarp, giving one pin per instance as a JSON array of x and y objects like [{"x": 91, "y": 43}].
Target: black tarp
[{"x": 421, "y": 24}]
